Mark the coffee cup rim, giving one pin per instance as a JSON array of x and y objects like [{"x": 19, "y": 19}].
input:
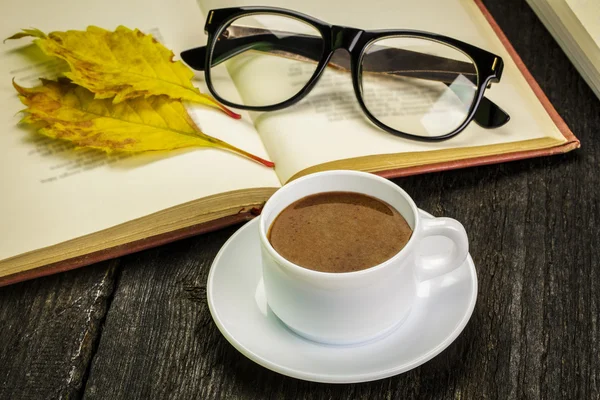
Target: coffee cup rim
[{"x": 339, "y": 275}]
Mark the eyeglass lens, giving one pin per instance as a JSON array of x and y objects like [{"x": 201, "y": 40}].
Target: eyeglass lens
[
  {"x": 416, "y": 85},
  {"x": 266, "y": 56}
]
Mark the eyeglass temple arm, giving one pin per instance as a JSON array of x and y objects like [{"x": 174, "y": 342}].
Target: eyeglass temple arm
[{"x": 488, "y": 114}]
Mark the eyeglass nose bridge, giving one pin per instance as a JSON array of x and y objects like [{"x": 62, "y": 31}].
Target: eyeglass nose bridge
[{"x": 343, "y": 37}]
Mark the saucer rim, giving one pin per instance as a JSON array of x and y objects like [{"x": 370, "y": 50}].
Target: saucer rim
[{"x": 337, "y": 378}]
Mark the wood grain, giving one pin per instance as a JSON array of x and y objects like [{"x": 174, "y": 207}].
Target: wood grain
[
  {"x": 533, "y": 227},
  {"x": 49, "y": 329},
  {"x": 160, "y": 314}
]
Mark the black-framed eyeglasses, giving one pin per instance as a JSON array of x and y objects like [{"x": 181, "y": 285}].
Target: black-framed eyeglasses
[{"x": 412, "y": 84}]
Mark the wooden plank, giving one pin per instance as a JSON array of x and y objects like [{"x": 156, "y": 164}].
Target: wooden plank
[
  {"x": 49, "y": 329},
  {"x": 159, "y": 335}
]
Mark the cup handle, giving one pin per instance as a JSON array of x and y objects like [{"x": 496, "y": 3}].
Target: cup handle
[{"x": 429, "y": 267}]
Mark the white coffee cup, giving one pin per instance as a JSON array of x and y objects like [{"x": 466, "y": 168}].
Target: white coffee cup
[{"x": 352, "y": 307}]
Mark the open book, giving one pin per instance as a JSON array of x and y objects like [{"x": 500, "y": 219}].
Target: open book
[
  {"x": 61, "y": 208},
  {"x": 575, "y": 25}
]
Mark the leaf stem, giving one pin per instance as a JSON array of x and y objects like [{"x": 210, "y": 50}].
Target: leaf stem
[
  {"x": 258, "y": 159},
  {"x": 230, "y": 113}
]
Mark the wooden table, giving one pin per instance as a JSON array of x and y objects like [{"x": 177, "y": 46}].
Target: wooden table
[{"x": 139, "y": 326}]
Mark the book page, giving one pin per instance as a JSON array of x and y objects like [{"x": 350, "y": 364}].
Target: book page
[
  {"x": 574, "y": 34},
  {"x": 329, "y": 125},
  {"x": 588, "y": 13},
  {"x": 52, "y": 193}
]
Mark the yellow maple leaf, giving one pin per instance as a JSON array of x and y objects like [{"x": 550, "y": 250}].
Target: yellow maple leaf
[
  {"x": 67, "y": 111},
  {"x": 122, "y": 65}
]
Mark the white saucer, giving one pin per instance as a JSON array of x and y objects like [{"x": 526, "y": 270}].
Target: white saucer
[{"x": 238, "y": 306}]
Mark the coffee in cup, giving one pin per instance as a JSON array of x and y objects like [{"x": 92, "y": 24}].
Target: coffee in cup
[{"x": 339, "y": 232}]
